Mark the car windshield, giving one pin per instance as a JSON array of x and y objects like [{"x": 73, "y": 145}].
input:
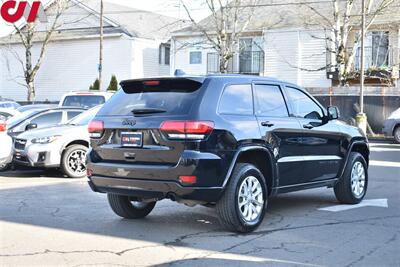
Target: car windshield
[
  {"x": 11, "y": 122},
  {"x": 85, "y": 101},
  {"x": 85, "y": 117}
]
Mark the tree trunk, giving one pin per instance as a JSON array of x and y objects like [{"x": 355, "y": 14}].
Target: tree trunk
[
  {"x": 31, "y": 91},
  {"x": 223, "y": 64}
]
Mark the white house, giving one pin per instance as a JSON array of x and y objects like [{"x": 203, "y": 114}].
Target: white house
[
  {"x": 288, "y": 41},
  {"x": 136, "y": 44}
]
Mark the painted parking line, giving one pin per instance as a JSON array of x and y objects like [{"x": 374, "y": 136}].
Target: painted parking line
[
  {"x": 365, "y": 203},
  {"x": 384, "y": 149},
  {"x": 384, "y": 163}
]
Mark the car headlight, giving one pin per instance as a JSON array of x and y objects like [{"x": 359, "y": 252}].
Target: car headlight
[{"x": 45, "y": 140}]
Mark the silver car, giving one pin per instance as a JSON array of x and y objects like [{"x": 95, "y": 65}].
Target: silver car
[
  {"x": 391, "y": 126},
  {"x": 61, "y": 146}
]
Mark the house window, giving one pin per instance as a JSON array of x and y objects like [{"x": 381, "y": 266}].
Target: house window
[
  {"x": 376, "y": 50},
  {"x": 195, "y": 57},
  {"x": 164, "y": 54},
  {"x": 167, "y": 55}
]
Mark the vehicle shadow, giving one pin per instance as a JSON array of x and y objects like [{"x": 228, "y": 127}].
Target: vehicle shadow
[{"x": 26, "y": 172}]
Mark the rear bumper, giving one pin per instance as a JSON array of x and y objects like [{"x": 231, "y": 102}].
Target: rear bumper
[
  {"x": 153, "y": 189},
  {"x": 161, "y": 181}
]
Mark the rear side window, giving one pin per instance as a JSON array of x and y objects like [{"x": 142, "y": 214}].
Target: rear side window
[
  {"x": 237, "y": 100},
  {"x": 270, "y": 101},
  {"x": 85, "y": 101},
  {"x": 165, "y": 96}
]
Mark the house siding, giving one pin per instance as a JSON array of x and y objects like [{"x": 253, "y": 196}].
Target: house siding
[
  {"x": 69, "y": 65},
  {"x": 295, "y": 56}
]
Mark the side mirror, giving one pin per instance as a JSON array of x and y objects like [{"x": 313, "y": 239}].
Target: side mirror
[
  {"x": 30, "y": 126},
  {"x": 333, "y": 113}
]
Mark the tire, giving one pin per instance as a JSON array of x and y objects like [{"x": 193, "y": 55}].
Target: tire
[
  {"x": 232, "y": 215},
  {"x": 396, "y": 134},
  {"x": 125, "y": 208},
  {"x": 73, "y": 161},
  {"x": 4, "y": 167},
  {"x": 345, "y": 190}
]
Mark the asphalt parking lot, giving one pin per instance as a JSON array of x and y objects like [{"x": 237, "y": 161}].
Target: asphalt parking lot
[{"x": 46, "y": 219}]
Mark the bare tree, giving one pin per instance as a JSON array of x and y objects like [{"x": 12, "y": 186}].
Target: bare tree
[
  {"x": 29, "y": 35},
  {"x": 343, "y": 21},
  {"x": 228, "y": 20}
]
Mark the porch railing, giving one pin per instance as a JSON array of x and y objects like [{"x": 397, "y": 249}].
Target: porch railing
[{"x": 247, "y": 62}]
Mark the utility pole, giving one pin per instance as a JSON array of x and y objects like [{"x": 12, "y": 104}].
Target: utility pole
[
  {"x": 101, "y": 44},
  {"x": 362, "y": 117}
]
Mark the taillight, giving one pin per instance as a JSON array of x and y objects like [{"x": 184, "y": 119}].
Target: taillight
[
  {"x": 3, "y": 126},
  {"x": 194, "y": 130},
  {"x": 96, "y": 128}
]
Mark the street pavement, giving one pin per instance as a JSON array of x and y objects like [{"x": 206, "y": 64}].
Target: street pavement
[{"x": 49, "y": 220}]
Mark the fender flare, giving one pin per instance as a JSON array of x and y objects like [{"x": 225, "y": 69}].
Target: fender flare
[
  {"x": 350, "y": 148},
  {"x": 246, "y": 149}
]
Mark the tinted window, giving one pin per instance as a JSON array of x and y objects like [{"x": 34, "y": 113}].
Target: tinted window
[
  {"x": 72, "y": 114},
  {"x": 302, "y": 105},
  {"x": 86, "y": 101},
  {"x": 47, "y": 119},
  {"x": 237, "y": 99},
  {"x": 270, "y": 101},
  {"x": 169, "y": 96}
]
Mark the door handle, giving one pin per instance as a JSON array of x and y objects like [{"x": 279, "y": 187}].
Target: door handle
[
  {"x": 267, "y": 124},
  {"x": 308, "y": 126}
]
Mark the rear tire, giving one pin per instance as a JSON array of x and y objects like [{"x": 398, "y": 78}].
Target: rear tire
[
  {"x": 242, "y": 206},
  {"x": 352, "y": 186},
  {"x": 73, "y": 161},
  {"x": 4, "y": 167},
  {"x": 125, "y": 208},
  {"x": 396, "y": 134}
]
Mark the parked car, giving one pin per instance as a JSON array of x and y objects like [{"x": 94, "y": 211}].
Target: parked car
[
  {"x": 40, "y": 118},
  {"x": 62, "y": 146},
  {"x": 85, "y": 99},
  {"x": 6, "y": 147},
  {"x": 227, "y": 141},
  {"x": 35, "y": 106},
  {"x": 391, "y": 126},
  {"x": 9, "y": 104},
  {"x": 6, "y": 113}
]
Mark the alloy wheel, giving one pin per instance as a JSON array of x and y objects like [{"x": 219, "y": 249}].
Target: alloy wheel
[
  {"x": 77, "y": 161},
  {"x": 250, "y": 199},
  {"x": 358, "y": 179}
]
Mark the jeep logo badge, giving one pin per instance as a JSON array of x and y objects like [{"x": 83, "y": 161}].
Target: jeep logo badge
[{"x": 129, "y": 122}]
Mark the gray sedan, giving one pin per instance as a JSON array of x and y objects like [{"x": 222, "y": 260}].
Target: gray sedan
[
  {"x": 62, "y": 146},
  {"x": 391, "y": 126}
]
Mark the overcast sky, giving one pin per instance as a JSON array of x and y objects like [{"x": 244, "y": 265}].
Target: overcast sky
[{"x": 166, "y": 7}]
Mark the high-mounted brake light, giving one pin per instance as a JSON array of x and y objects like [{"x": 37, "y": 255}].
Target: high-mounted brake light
[
  {"x": 3, "y": 126},
  {"x": 151, "y": 82},
  {"x": 96, "y": 128},
  {"x": 194, "y": 130},
  {"x": 85, "y": 93}
]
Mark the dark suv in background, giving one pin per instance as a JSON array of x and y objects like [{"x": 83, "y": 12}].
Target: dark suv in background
[{"x": 228, "y": 141}]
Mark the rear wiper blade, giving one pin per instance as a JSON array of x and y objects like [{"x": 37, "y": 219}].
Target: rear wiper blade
[{"x": 147, "y": 111}]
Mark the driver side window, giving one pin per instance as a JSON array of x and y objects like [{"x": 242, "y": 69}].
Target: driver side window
[{"x": 302, "y": 105}]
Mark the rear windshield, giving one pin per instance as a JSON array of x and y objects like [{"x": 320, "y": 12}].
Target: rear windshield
[
  {"x": 85, "y": 101},
  {"x": 167, "y": 96}
]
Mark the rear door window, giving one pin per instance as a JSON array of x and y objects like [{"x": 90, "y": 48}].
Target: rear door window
[
  {"x": 163, "y": 97},
  {"x": 269, "y": 101},
  {"x": 72, "y": 114},
  {"x": 237, "y": 99}
]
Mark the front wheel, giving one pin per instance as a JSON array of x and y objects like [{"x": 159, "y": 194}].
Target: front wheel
[
  {"x": 73, "y": 161},
  {"x": 242, "y": 207},
  {"x": 125, "y": 207},
  {"x": 396, "y": 134},
  {"x": 352, "y": 187}
]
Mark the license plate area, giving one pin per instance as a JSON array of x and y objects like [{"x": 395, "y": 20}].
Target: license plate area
[{"x": 131, "y": 139}]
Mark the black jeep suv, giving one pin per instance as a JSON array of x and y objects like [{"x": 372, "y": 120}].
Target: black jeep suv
[{"x": 228, "y": 141}]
